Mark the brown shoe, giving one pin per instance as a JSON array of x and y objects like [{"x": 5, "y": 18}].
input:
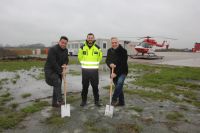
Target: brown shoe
[
  {"x": 114, "y": 103},
  {"x": 61, "y": 102},
  {"x": 58, "y": 104}
]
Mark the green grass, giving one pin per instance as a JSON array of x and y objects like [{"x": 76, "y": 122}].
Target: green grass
[
  {"x": 187, "y": 93},
  {"x": 19, "y": 65},
  {"x": 2, "y": 108},
  {"x": 74, "y": 73},
  {"x": 138, "y": 68},
  {"x": 4, "y": 98},
  {"x": 14, "y": 105},
  {"x": 195, "y": 103},
  {"x": 136, "y": 108},
  {"x": 191, "y": 96},
  {"x": 14, "y": 80},
  {"x": 158, "y": 76},
  {"x": 90, "y": 125},
  {"x": 175, "y": 116},
  {"x": 73, "y": 98},
  {"x": 37, "y": 106},
  {"x": 73, "y": 60},
  {"x": 106, "y": 87},
  {"x": 152, "y": 95},
  {"x": 172, "y": 81},
  {"x": 183, "y": 107},
  {"x": 25, "y": 95},
  {"x": 131, "y": 128},
  {"x": 55, "y": 120},
  {"x": 28, "y": 64},
  {"x": 10, "y": 119},
  {"x": 17, "y": 76},
  {"x": 40, "y": 76},
  {"x": 7, "y": 94},
  {"x": 2, "y": 81},
  {"x": 103, "y": 61}
]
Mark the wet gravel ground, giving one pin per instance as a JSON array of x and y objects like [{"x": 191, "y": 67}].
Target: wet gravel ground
[{"x": 138, "y": 115}]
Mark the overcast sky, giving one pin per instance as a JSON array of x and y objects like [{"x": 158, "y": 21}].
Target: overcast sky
[{"x": 33, "y": 21}]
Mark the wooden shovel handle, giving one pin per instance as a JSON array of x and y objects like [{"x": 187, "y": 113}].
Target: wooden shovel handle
[
  {"x": 65, "y": 83},
  {"x": 111, "y": 86}
]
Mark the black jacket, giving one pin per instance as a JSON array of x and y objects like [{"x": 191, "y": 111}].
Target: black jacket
[
  {"x": 118, "y": 57},
  {"x": 55, "y": 59}
]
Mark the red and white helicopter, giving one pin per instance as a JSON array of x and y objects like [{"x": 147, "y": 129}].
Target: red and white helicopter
[{"x": 148, "y": 45}]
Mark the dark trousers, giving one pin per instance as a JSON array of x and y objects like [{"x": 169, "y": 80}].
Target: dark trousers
[
  {"x": 54, "y": 80},
  {"x": 90, "y": 76},
  {"x": 118, "y": 93}
]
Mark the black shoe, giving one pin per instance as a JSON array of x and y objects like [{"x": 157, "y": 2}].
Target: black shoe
[
  {"x": 83, "y": 104},
  {"x": 97, "y": 103},
  {"x": 114, "y": 103}
]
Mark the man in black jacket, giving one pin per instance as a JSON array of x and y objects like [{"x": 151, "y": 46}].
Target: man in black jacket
[
  {"x": 117, "y": 59},
  {"x": 57, "y": 59}
]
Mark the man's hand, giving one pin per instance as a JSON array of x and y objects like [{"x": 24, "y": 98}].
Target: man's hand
[
  {"x": 64, "y": 66},
  {"x": 112, "y": 65},
  {"x": 113, "y": 75}
]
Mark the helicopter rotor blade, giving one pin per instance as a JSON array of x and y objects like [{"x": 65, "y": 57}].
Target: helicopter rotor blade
[
  {"x": 168, "y": 38},
  {"x": 147, "y": 37}
]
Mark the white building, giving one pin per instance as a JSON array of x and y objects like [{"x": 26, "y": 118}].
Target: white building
[{"x": 104, "y": 44}]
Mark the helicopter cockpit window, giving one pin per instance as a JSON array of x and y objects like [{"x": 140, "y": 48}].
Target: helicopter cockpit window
[{"x": 145, "y": 45}]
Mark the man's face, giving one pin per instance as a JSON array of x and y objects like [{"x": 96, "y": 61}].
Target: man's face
[
  {"x": 114, "y": 43},
  {"x": 90, "y": 39},
  {"x": 63, "y": 43}
]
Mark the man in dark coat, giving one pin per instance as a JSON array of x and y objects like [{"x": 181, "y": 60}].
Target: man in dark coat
[
  {"x": 117, "y": 59},
  {"x": 57, "y": 59}
]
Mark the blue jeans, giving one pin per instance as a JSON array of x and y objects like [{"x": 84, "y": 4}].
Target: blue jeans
[{"x": 118, "y": 93}]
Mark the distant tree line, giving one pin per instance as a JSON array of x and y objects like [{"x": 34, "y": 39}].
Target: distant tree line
[{"x": 34, "y": 46}]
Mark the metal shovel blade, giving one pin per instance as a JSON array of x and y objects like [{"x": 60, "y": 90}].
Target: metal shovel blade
[
  {"x": 65, "y": 110},
  {"x": 109, "y": 111}
]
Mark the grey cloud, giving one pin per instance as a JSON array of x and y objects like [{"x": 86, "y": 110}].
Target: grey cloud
[{"x": 31, "y": 21}]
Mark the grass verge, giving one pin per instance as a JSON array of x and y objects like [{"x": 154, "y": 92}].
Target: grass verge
[
  {"x": 25, "y": 95},
  {"x": 175, "y": 116},
  {"x": 19, "y": 65}
]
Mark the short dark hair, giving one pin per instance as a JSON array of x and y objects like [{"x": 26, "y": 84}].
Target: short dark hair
[
  {"x": 63, "y": 37},
  {"x": 90, "y": 34}
]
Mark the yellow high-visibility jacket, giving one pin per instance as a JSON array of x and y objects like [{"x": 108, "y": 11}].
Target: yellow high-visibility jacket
[{"x": 90, "y": 57}]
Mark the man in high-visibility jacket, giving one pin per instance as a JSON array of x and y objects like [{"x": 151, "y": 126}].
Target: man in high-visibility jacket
[{"x": 90, "y": 55}]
